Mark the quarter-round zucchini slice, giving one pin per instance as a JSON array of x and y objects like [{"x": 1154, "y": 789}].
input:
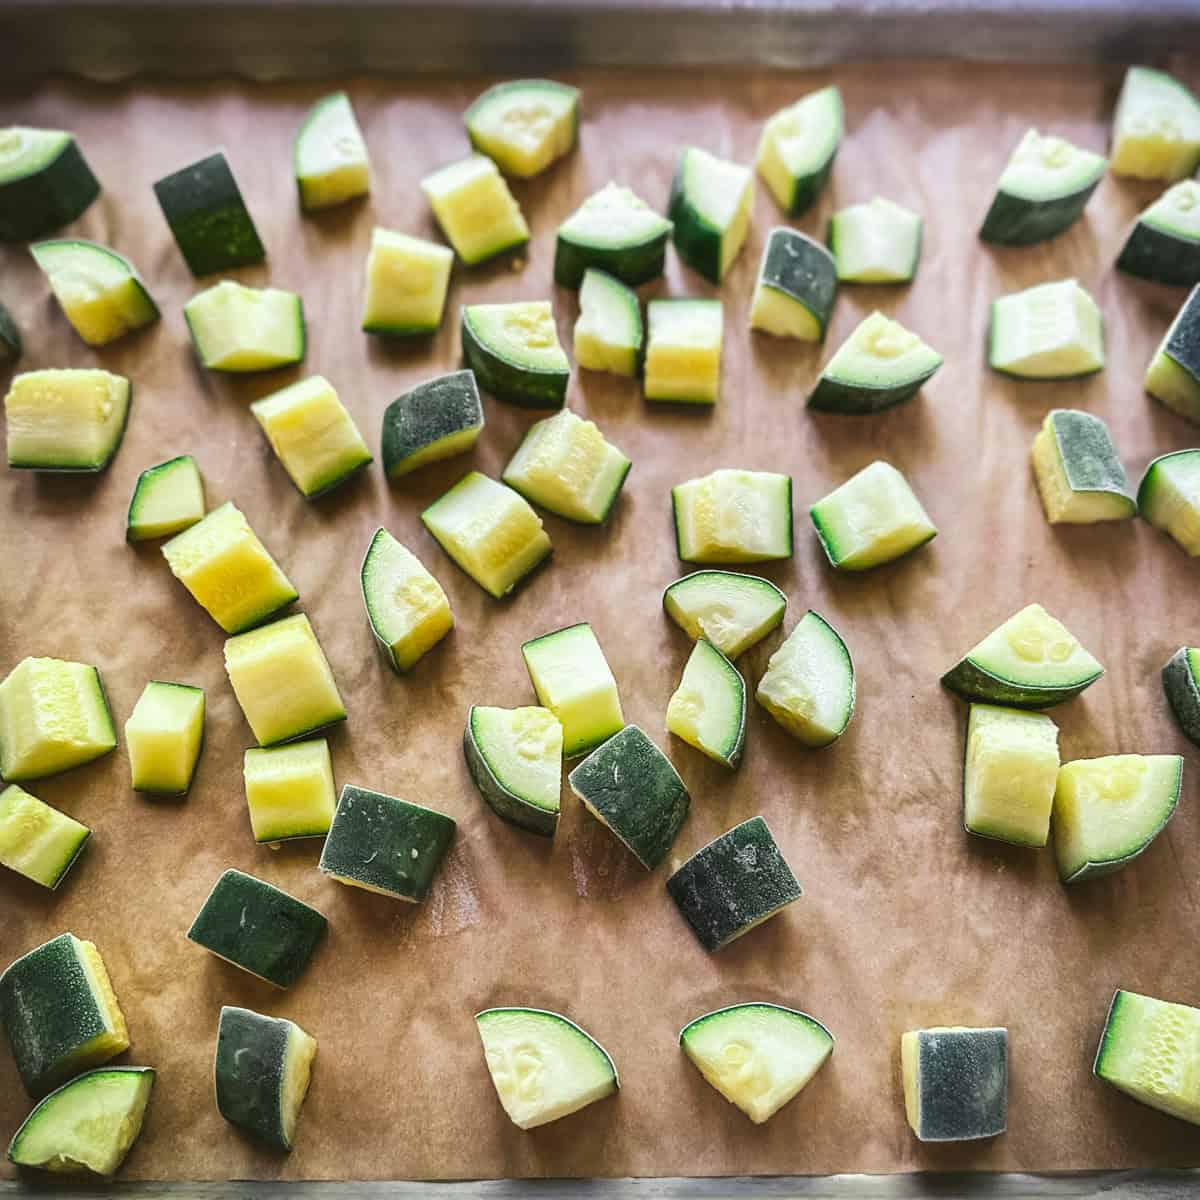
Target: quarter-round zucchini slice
[
  {"x": 163, "y": 735},
  {"x": 1079, "y": 475},
  {"x": 955, "y": 1082},
  {"x": 167, "y": 499},
  {"x": 38, "y": 841},
  {"x": 797, "y": 285},
  {"x": 797, "y": 149},
  {"x": 1181, "y": 682},
  {"x": 45, "y": 182},
  {"x": 708, "y": 708},
  {"x": 475, "y": 209},
  {"x": 875, "y": 242},
  {"x": 513, "y": 350},
  {"x": 614, "y": 231},
  {"x": 66, "y": 420},
  {"x": 238, "y": 329},
  {"x": 1051, "y": 331},
  {"x": 730, "y": 610},
  {"x": 436, "y": 420},
  {"x": 524, "y": 125},
  {"x": 608, "y": 333},
  {"x": 515, "y": 758},
  {"x": 407, "y": 280},
  {"x": 710, "y": 207},
  {"x": 10, "y": 337},
  {"x": 329, "y": 155},
  {"x": 1169, "y": 497},
  {"x": 289, "y": 790},
  {"x": 733, "y": 516},
  {"x": 1164, "y": 244},
  {"x": 1156, "y": 129},
  {"x": 683, "y": 351},
  {"x": 1173, "y": 376}
]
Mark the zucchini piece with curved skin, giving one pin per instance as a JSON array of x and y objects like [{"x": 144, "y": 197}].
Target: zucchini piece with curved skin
[
  {"x": 1079, "y": 475},
  {"x": 683, "y": 351},
  {"x": 733, "y": 516},
  {"x": 436, "y": 420},
  {"x": 1030, "y": 661},
  {"x": 66, "y": 420},
  {"x": 38, "y": 841},
  {"x": 10, "y": 338},
  {"x": 475, "y": 209},
  {"x": 407, "y": 280},
  {"x": 955, "y": 1082},
  {"x": 710, "y": 206},
  {"x": 262, "y": 1071},
  {"x": 1181, "y": 682},
  {"x": 513, "y": 350},
  {"x": 708, "y": 708},
  {"x": 163, "y": 735},
  {"x": 731, "y": 611},
  {"x": 875, "y": 242},
  {"x": 289, "y": 790},
  {"x": 1173, "y": 376},
  {"x": 608, "y": 333},
  {"x": 524, "y": 125},
  {"x": 329, "y": 155},
  {"x": 797, "y": 285},
  {"x": 1051, "y": 331},
  {"x": 1156, "y": 128},
  {"x": 45, "y": 182},
  {"x": 614, "y": 231},
  {"x": 88, "y": 1125},
  {"x": 167, "y": 499},
  {"x": 1164, "y": 244},
  {"x": 240, "y": 329},
  {"x": 758, "y": 1056},
  {"x": 1169, "y": 497},
  {"x": 797, "y": 149},
  {"x": 515, "y": 759},
  {"x": 1108, "y": 810}
]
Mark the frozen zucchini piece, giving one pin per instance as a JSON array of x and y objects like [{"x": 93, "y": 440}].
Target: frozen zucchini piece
[
  {"x": 515, "y": 758},
  {"x": 797, "y": 149},
  {"x": 163, "y": 735},
  {"x": 10, "y": 337},
  {"x": 1108, "y": 810},
  {"x": 407, "y": 281},
  {"x": 708, "y": 708},
  {"x": 45, "y": 182},
  {"x": 1079, "y": 475},
  {"x": 1173, "y": 376},
  {"x": 683, "y": 351},
  {"x": 733, "y": 516},
  {"x": 875, "y": 242},
  {"x": 61, "y": 1015},
  {"x": 436, "y": 420},
  {"x": 240, "y": 329},
  {"x": 1169, "y": 497},
  {"x": 167, "y": 499},
  {"x": 38, "y": 841},
  {"x": 1181, "y": 682},
  {"x": 608, "y": 333},
  {"x": 1156, "y": 128},
  {"x": 289, "y": 790},
  {"x": 66, "y": 420},
  {"x": 53, "y": 716},
  {"x": 955, "y": 1082},
  {"x": 475, "y": 209},
  {"x": 513, "y": 350},
  {"x": 797, "y": 285},
  {"x": 329, "y": 155},
  {"x": 731, "y": 611},
  {"x": 524, "y": 125},
  {"x": 613, "y": 231},
  {"x": 1164, "y": 244},
  {"x": 282, "y": 680},
  {"x": 1051, "y": 331},
  {"x": 710, "y": 206}
]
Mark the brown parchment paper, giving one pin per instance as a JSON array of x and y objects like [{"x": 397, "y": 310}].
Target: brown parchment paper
[{"x": 905, "y": 921}]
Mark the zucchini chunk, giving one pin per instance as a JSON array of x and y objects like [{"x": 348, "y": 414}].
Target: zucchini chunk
[
  {"x": 616, "y": 232},
  {"x": 1173, "y": 376},
  {"x": 239, "y": 329},
  {"x": 289, "y": 790},
  {"x": 164, "y": 734},
  {"x": 543, "y": 1066},
  {"x": 87, "y": 1126},
  {"x": 407, "y": 610},
  {"x": 490, "y": 531},
  {"x": 167, "y": 499},
  {"x": 871, "y": 519},
  {"x": 629, "y": 785},
  {"x": 608, "y": 333},
  {"x": 513, "y": 350},
  {"x": 262, "y": 1070},
  {"x": 955, "y": 1082},
  {"x": 100, "y": 292},
  {"x": 879, "y": 365},
  {"x": 1079, "y": 475},
  {"x": 573, "y": 680},
  {"x": 475, "y": 209},
  {"x": 1051, "y": 331},
  {"x": 683, "y": 352},
  {"x": 875, "y": 242},
  {"x": 1164, "y": 244},
  {"x": 565, "y": 465},
  {"x": 1169, "y": 497},
  {"x": 1010, "y": 770},
  {"x": 524, "y": 125},
  {"x": 407, "y": 280},
  {"x": 60, "y": 1013},
  {"x": 758, "y": 1056},
  {"x": 53, "y": 716},
  {"x": 255, "y": 926},
  {"x": 708, "y": 708},
  {"x": 66, "y": 420},
  {"x": 796, "y": 288},
  {"x": 797, "y": 149},
  {"x": 436, "y": 420},
  {"x": 1108, "y": 810},
  {"x": 228, "y": 571},
  {"x": 738, "y": 881},
  {"x": 282, "y": 680},
  {"x": 733, "y": 516},
  {"x": 329, "y": 155},
  {"x": 808, "y": 686},
  {"x": 1031, "y": 661},
  {"x": 385, "y": 845},
  {"x": 38, "y": 841},
  {"x": 10, "y": 338},
  {"x": 1148, "y": 1050},
  {"x": 209, "y": 220},
  {"x": 515, "y": 758},
  {"x": 45, "y": 182},
  {"x": 1181, "y": 682},
  {"x": 313, "y": 435},
  {"x": 732, "y": 611},
  {"x": 1156, "y": 129},
  {"x": 710, "y": 206}
]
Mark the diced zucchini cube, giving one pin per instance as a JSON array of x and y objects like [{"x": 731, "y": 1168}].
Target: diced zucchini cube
[
  {"x": 289, "y": 790},
  {"x": 1051, "y": 331},
  {"x": 437, "y": 419},
  {"x": 878, "y": 241},
  {"x": 330, "y": 155},
  {"x": 514, "y": 351},
  {"x": 407, "y": 280},
  {"x": 1156, "y": 127},
  {"x": 524, "y": 124},
  {"x": 797, "y": 285},
  {"x": 164, "y": 734},
  {"x": 1173, "y": 376},
  {"x": 66, "y": 420},
  {"x": 683, "y": 351},
  {"x": 1079, "y": 476},
  {"x": 797, "y": 148},
  {"x": 608, "y": 333},
  {"x": 1169, "y": 497},
  {"x": 955, "y": 1082},
  {"x": 236, "y": 328},
  {"x": 167, "y": 499},
  {"x": 475, "y": 209},
  {"x": 38, "y": 841},
  {"x": 733, "y": 516},
  {"x": 710, "y": 205}
]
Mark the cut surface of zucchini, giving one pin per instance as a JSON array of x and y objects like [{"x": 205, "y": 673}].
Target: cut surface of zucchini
[
  {"x": 796, "y": 288},
  {"x": 1181, "y": 682},
  {"x": 167, "y": 499},
  {"x": 329, "y": 155},
  {"x": 875, "y": 242},
  {"x": 238, "y": 329},
  {"x": 435, "y": 420},
  {"x": 683, "y": 351},
  {"x": 1051, "y": 331},
  {"x": 708, "y": 708},
  {"x": 515, "y": 758},
  {"x": 475, "y": 209},
  {"x": 733, "y": 516},
  {"x": 407, "y": 281},
  {"x": 955, "y": 1082},
  {"x": 1079, "y": 476},
  {"x": 289, "y": 790},
  {"x": 1164, "y": 244},
  {"x": 66, "y": 420},
  {"x": 614, "y": 231},
  {"x": 525, "y": 124},
  {"x": 710, "y": 206},
  {"x": 45, "y": 182},
  {"x": 1156, "y": 129},
  {"x": 1173, "y": 376},
  {"x": 514, "y": 351},
  {"x": 797, "y": 149},
  {"x": 38, "y": 841},
  {"x": 731, "y": 611},
  {"x": 1169, "y": 497},
  {"x": 608, "y": 333},
  {"x": 163, "y": 735}
]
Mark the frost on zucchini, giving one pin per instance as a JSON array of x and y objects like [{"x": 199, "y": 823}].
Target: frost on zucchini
[
  {"x": 407, "y": 280},
  {"x": 524, "y": 125},
  {"x": 167, "y": 499},
  {"x": 1169, "y": 497},
  {"x": 289, "y": 790},
  {"x": 613, "y": 231},
  {"x": 475, "y": 209},
  {"x": 1051, "y": 331},
  {"x": 608, "y": 333},
  {"x": 708, "y": 708},
  {"x": 239, "y": 329},
  {"x": 683, "y": 351},
  {"x": 1181, "y": 682},
  {"x": 1164, "y": 244},
  {"x": 1156, "y": 129},
  {"x": 329, "y": 155},
  {"x": 435, "y": 420},
  {"x": 875, "y": 242},
  {"x": 66, "y": 420},
  {"x": 515, "y": 758},
  {"x": 45, "y": 182},
  {"x": 1173, "y": 376},
  {"x": 730, "y": 610},
  {"x": 955, "y": 1082},
  {"x": 515, "y": 354},
  {"x": 733, "y": 516},
  {"x": 797, "y": 285},
  {"x": 163, "y": 735},
  {"x": 710, "y": 206},
  {"x": 797, "y": 149},
  {"x": 1079, "y": 475},
  {"x": 38, "y": 841}
]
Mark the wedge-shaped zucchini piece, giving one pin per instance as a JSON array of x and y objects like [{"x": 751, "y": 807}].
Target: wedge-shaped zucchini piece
[
  {"x": 1009, "y": 774},
  {"x": 1051, "y": 331},
  {"x": 167, "y": 499},
  {"x": 475, "y": 209},
  {"x": 1150, "y": 1050},
  {"x": 710, "y": 206},
  {"x": 385, "y": 845},
  {"x": 1173, "y": 376},
  {"x": 239, "y": 329},
  {"x": 608, "y": 333},
  {"x": 880, "y": 364},
  {"x": 683, "y": 351},
  {"x": 203, "y": 206},
  {"x": 573, "y": 680},
  {"x": 758, "y": 1056},
  {"x": 490, "y": 531},
  {"x": 38, "y": 841},
  {"x": 66, "y": 420},
  {"x": 87, "y": 1126},
  {"x": 60, "y": 1013},
  {"x": 312, "y": 434},
  {"x": 708, "y": 708},
  {"x": 100, "y": 292},
  {"x": 872, "y": 518},
  {"x": 797, "y": 285},
  {"x": 565, "y": 465},
  {"x": 875, "y": 242},
  {"x": 1108, "y": 810},
  {"x": 329, "y": 155},
  {"x": 738, "y": 881},
  {"x": 259, "y": 928},
  {"x": 45, "y": 182},
  {"x": 1079, "y": 475},
  {"x": 1181, "y": 682},
  {"x": 1164, "y": 244},
  {"x": 515, "y": 758},
  {"x": 513, "y": 350},
  {"x": 53, "y": 716},
  {"x": 437, "y": 419},
  {"x": 407, "y": 280},
  {"x": 1169, "y": 497},
  {"x": 1156, "y": 129},
  {"x": 282, "y": 680},
  {"x": 808, "y": 686},
  {"x": 955, "y": 1082},
  {"x": 289, "y": 791},
  {"x": 524, "y": 125},
  {"x": 614, "y": 231},
  {"x": 10, "y": 337},
  {"x": 733, "y": 516},
  {"x": 797, "y": 149},
  {"x": 262, "y": 1070},
  {"x": 629, "y": 785},
  {"x": 163, "y": 734},
  {"x": 228, "y": 570},
  {"x": 731, "y": 611},
  {"x": 1031, "y": 661}
]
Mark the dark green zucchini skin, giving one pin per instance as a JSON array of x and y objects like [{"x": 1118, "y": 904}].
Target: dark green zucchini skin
[
  {"x": 1016, "y": 221},
  {"x": 205, "y": 210},
  {"x": 974, "y": 683},
  {"x": 696, "y": 242},
  {"x": 10, "y": 337},
  {"x": 1183, "y": 693},
  {"x": 249, "y": 1073},
  {"x": 512, "y": 382},
  {"x": 41, "y": 203},
  {"x": 964, "y": 1084},
  {"x": 836, "y": 396},
  {"x": 426, "y": 414},
  {"x": 1093, "y": 464},
  {"x": 1150, "y": 253},
  {"x": 500, "y": 800},
  {"x": 1184, "y": 344},
  {"x": 803, "y": 269},
  {"x": 809, "y": 187},
  {"x": 634, "y": 264}
]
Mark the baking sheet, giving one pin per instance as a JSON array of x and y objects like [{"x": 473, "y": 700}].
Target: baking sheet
[{"x": 904, "y": 922}]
